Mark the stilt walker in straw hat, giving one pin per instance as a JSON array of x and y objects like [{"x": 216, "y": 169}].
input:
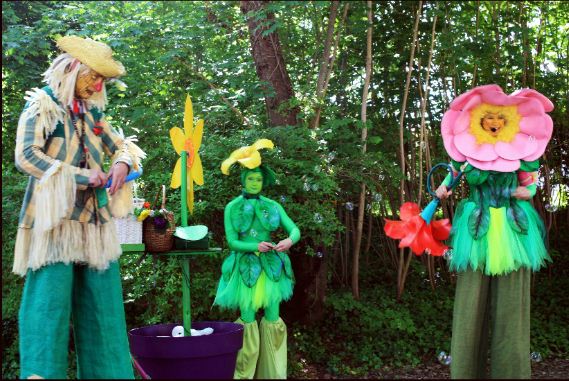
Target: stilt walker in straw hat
[{"x": 66, "y": 244}]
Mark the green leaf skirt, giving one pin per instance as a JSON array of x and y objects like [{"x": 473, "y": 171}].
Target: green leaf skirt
[
  {"x": 508, "y": 238},
  {"x": 254, "y": 280}
]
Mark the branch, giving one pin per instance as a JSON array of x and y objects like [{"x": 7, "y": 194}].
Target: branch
[{"x": 244, "y": 120}]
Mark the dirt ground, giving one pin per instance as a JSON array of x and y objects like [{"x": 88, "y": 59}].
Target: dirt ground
[{"x": 547, "y": 369}]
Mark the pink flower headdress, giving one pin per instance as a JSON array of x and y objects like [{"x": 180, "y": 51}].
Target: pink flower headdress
[{"x": 524, "y": 136}]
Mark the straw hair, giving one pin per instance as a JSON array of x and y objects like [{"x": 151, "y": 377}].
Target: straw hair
[
  {"x": 97, "y": 55},
  {"x": 62, "y": 76}
]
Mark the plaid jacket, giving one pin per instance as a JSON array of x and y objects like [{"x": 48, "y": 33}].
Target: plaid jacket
[{"x": 36, "y": 153}]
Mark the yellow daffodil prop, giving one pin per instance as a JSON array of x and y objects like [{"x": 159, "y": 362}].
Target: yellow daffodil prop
[
  {"x": 247, "y": 156},
  {"x": 188, "y": 169}
]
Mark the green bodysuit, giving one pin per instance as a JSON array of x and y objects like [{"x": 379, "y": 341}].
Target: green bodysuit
[{"x": 251, "y": 280}]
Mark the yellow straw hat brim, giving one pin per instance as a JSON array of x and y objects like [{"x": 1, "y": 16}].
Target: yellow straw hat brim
[{"x": 97, "y": 55}]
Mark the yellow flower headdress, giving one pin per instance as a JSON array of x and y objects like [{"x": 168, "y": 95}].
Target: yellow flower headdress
[{"x": 247, "y": 156}]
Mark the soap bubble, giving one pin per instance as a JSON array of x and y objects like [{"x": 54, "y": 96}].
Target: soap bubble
[
  {"x": 444, "y": 358},
  {"x": 306, "y": 187},
  {"x": 349, "y": 205},
  {"x": 381, "y": 177},
  {"x": 550, "y": 208},
  {"x": 314, "y": 187},
  {"x": 368, "y": 207},
  {"x": 377, "y": 197},
  {"x": 317, "y": 168},
  {"x": 319, "y": 254},
  {"x": 253, "y": 233},
  {"x": 448, "y": 254},
  {"x": 428, "y": 251},
  {"x": 535, "y": 357},
  {"x": 283, "y": 199},
  {"x": 318, "y": 218},
  {"x": 423, "y": 145}
]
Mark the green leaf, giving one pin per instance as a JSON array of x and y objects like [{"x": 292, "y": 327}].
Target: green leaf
[
  {"x": 287, "y": 265},
  {"x": 529, "y": 166},
  {"x": 272, "y": 265},
  {"x": 478, "y": 222},
  {"x": 375, "y": 139},
  {"x": 476, "y": 176},
  {"x": 228, "y": 266},
  {"x": 517, "y": 218},
  {"x": 250, "y": 269}
]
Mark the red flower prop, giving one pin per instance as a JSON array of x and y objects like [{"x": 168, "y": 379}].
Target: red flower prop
[
  {"x": 414, "y": 232},
  {"x": 146, "y": 205}
]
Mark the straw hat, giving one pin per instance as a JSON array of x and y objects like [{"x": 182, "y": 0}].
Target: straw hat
[{"x": 97, "y": 55}]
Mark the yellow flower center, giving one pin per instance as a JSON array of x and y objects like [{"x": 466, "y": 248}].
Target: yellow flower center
[{"x": 492, "y": 124}]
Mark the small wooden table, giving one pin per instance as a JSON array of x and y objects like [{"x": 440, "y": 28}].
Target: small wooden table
[{"x": 184, "y": 256}]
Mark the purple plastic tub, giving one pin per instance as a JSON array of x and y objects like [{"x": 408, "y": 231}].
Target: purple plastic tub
[{"x": 197, "y": 357}]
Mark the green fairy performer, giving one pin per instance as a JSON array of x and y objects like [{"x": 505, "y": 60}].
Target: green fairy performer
[
  {"x": 497, "y": 236},
  {"x": 258, "y": 273},
  {"x": 66, "y": 244}
]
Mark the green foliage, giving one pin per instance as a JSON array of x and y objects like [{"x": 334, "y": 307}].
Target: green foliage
[
  {"x": 378, "y": 330},
  {"x": 358, "y": 337}
]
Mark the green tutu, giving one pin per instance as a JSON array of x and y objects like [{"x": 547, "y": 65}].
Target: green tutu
[
  {"x": 250, "y": 281},
  {"x": 502, "y": 247}
]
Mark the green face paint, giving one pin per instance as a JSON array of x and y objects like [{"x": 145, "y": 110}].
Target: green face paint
[{"x": 254, "y": 182}]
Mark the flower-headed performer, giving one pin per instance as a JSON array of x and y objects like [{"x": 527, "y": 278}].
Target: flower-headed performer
[
  {"x": 66, "y": 244},
  {"x": 258, "y": 273},
  {"x": 497, "y": 236}
]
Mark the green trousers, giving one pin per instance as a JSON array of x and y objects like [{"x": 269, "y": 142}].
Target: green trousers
[
  {"x": 264, "y": 352},
  {"x": 496, "y": 306},
  {"x": 93, "y": 300}
]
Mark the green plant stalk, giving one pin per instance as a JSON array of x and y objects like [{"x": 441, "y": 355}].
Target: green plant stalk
[
  {"x": 184, "y": 190},
  {"x": 186, "y": 301}
]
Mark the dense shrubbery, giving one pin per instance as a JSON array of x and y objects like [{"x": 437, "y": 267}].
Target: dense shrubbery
[{"x": 361, "y": 336}]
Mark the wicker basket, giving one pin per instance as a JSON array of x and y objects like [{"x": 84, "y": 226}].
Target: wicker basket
[{"x": 159, "y": 240}]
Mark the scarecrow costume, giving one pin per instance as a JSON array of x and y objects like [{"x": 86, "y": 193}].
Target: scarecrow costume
[
  {"x": 66, "y": 244},
  {"x": 497, "y": 236},
  {"x": 257, "y": 273}
]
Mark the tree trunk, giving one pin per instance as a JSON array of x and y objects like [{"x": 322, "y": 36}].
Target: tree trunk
[
  {"x": 325, "y": 59},
  {"x": 475, "y": 71},
  {"x": 403, "y": 264},
  {"x": 328, "y": 59},
  {"x": 269, "y": 63},
  {"x": 424, "y": 100},
  {"x": 361, "y": 207}
]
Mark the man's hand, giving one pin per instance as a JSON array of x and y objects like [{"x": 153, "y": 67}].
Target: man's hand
[
  {"x": 521, "y": 193},
  {"x": 265, "y": 246},
  {"x": 284, "y": 245},
  {"x": 97, "y": 178},
  {"x": 442, "y": 192},
  {"x": 118, "y": 174}
]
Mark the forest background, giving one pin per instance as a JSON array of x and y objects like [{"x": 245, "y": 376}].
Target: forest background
[{"x": 352, "y": 94}]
